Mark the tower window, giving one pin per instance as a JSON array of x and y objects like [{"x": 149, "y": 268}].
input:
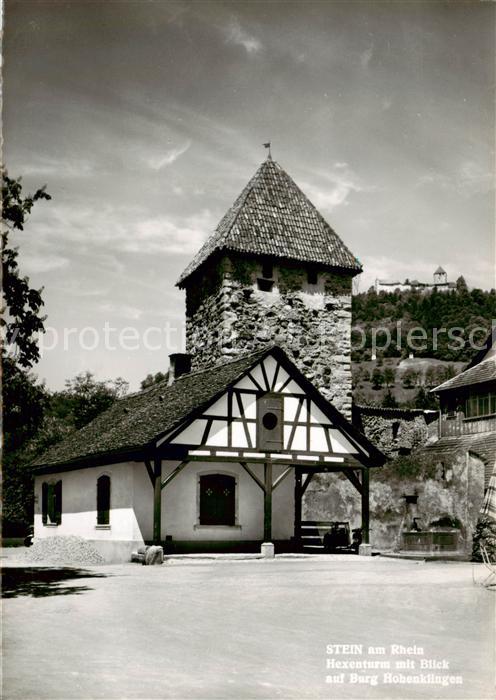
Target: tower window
[
  {"x": 267, "y": 270},
  {"x": 265, "y": 285},
  {"x": 312, "y": 277}
]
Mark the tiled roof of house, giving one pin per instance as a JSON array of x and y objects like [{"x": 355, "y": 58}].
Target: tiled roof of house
[
  {"x": 440, "y": 271},
  {"x": 482, "y": 444},
  {"x": 133, "y": 424},
  {"x": 483, "y": 372},
  {"x": 135, "y": 420},
  {"x": 394, "y": 412},
  {"x": 487, "y": 350},
  {"x": 273, "y": 217}
]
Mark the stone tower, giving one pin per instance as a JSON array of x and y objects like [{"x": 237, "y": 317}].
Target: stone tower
[
  {"x": 274, "y": 271},
  {"x": 440, "y": 276}
]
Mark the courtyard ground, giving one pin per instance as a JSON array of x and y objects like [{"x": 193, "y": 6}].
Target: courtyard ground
[{"x": 195, "y": 628}]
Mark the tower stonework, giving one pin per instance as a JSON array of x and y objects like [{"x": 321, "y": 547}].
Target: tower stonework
[{"x": 274, "y": 272}]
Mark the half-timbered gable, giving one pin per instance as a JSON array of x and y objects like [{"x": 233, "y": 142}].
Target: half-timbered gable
[{"x": 269, "y": 411}]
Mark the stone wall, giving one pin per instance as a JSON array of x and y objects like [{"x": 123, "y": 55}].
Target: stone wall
[
  {"x": 455, "y": 490},
  {"x": 395, "y": 435},
  {"x": 227, "y": 315}
]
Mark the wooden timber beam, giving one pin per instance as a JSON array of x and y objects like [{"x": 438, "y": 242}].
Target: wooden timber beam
[
  {"x": 297, "y": 501},
  {"x": 253, "y": 475},
  {"x": 287, "y": 460},
  {"x": 268, "y": 502},
  {"x": 149, "y": 469},
  {"x": 351, "y": 476},
  {"x": 173, "y": 474},
  {"x": 308, "y": 479},
  {"x": 365, "y": 506},
  {"x": 281, "y": 477},
  {"x": 157, "y": 501}
]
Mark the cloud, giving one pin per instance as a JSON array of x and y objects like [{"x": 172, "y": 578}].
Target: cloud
[
  {"x": 46, "y": 166},
  {"x": 33, "y": 264},
  {"x": 338, "y": 184},
  {"x": 166, "y": 235},
  {"x": 130, "y": 313},
  {"x": 366, "y": 57},
  {"x": 237, "y": 35},
  {"x": 468, "y": 179},
  {"x": 472, "y": 178},
  {"x": 162, "y": 161}
]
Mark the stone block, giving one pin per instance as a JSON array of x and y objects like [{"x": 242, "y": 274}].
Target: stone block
[
  {"x": 365, "y": 550},
  {"x": 267, "y": 550},
  {"x": 154, "y": 555}
]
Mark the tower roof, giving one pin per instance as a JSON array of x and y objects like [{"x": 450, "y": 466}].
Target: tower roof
[
  {"x": 273, "y": 217},
  {"x": 440, "y": 271}
]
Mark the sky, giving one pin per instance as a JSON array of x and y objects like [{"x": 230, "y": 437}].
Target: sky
[{"x": 145, "y": 119}]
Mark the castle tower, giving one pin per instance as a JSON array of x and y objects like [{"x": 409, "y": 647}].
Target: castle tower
[
  {"x": 274, "y": 271},
  {"x": 440, "y": 276}
]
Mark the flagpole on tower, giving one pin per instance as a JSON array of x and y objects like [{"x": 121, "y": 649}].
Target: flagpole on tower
[{"x": 267, "y": 145}]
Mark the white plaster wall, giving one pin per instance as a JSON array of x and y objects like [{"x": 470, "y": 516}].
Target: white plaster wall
[
  {"x": 79, "y": 504},
  {"x": 143, "y": 500},
  {"x": 180, "y": 505},
  {"x": 131, "y": 516}
]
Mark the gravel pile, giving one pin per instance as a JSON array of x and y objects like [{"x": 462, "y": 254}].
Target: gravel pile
[{"x": 63, "y": 550}]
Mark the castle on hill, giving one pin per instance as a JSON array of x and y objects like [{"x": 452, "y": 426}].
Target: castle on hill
[{"x": 440, "y": 282}]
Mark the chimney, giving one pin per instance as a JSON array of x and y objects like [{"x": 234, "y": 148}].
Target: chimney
[{"x": 179, "y": 363}]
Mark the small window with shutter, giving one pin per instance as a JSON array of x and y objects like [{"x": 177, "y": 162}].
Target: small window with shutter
[
  {"x": 44, "y": 503},
  {"x": 103, "y": 500},
  {"x": 270, "y": 422},
  {"x": 217, "y": 499},
  {"x": 51, "y": 503}
]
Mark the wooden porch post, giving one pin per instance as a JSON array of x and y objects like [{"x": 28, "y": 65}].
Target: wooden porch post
[
  {"x": 297, "y": 502},
  {"x": 268, "y": 502},
  {"x": 365, "y": 506},
  {"x": 157, "y": 501}
]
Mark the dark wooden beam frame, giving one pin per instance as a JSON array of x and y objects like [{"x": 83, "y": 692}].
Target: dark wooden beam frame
[
  {"x": 298, "y": 495},
  {"x": 173, "y": 474},
  {"x": 253, "y": 475},
  {"x": 157, "y": 501},
  {"x": 268, "y": 502},
  {"x": 306, "y": 483},
  {"x": 365, "y": 506},
  {"x": 281, "y": 477},
  {"x": 149, "y": 469},
  {"x": 351, "y": 476}
]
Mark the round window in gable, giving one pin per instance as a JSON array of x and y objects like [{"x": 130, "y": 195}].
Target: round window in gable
[{"x": 269, "y": 421}]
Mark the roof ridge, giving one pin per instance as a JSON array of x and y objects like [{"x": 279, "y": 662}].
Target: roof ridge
[
  {"x": 209, "y": 368},
  {"x": 231, "y": 361}
]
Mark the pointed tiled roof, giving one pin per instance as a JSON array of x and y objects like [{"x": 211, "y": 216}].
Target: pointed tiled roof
[
  {"x": 440, "y": 271},
  {"x": 273, "y": 217}
]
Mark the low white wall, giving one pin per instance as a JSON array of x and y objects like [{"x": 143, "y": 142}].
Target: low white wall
[
  {"x": 79, "y": 515},
  {"x": 131, "y": 515}
]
